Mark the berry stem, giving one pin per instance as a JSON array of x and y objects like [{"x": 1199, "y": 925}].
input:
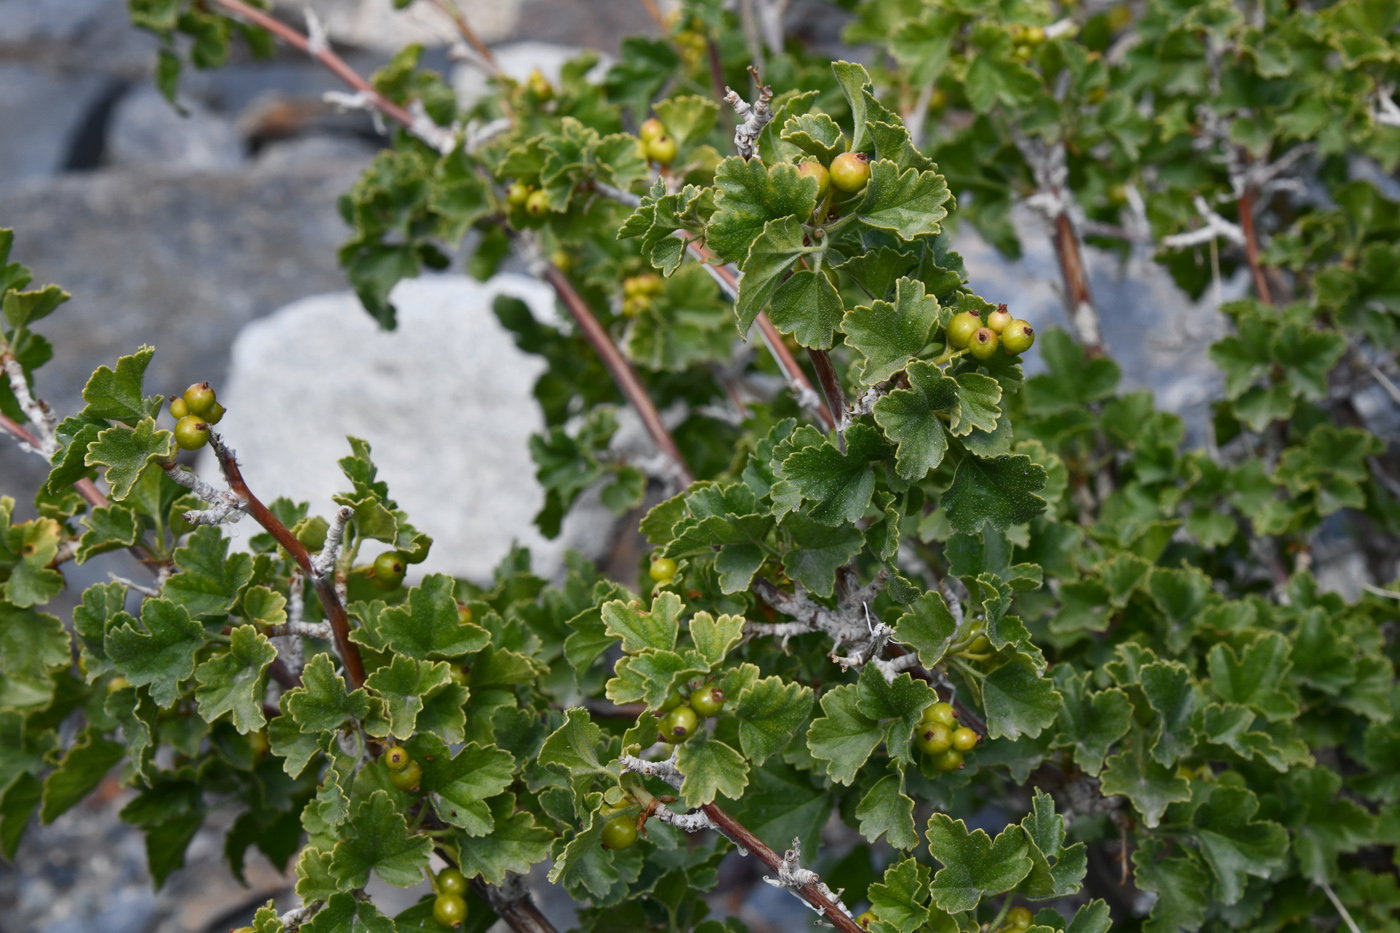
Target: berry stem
[
  {"x": 324, "y": 585},
  {"x": 622, "y": 372}
]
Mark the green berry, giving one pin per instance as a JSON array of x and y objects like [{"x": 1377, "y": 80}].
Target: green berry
[
  {"x": 396, "y": 758},
  {"x": 389, "y": 569},
  {"x": 258, "y": 745},
  {"x": 200, "y": 398},
  {"x": 961, "y": 328},
  {"x": 464, "y": 614},
  {"x": 178, "y": 408},
  {"x": 941, "y": 713},
  {"x": 191, "y": 432},
  {"x": 707, "y": 701},
  {"x": 673, "y": 699},
  {"x": 964, "y": 739},
  {"x": 450, "y": 910},
  {"x": 537, "y": 204},
  {"x": 541, "y": 86},
  {"x": 662, "y": 570},
  {"x": 1018, "y": 337},
  {"x": 999, "y": 318},
  {"x": 408, "y": 777},
  {"x": 517, "y": 194},
  {"x": 215, "y": 413},
  {"x": 619, "y": 833},
  {"x": 933, "y": 738},
  {"x": 661, "y": 149},
  {"x": 636, "y": 305},
  {"x": 679, "y": 725},
  {"x": 651, "y": 129},
  {"x": 948, "y": 760},
  {"x": 818, "y": 171},
  {"x": 1017, "y": 918},
  {"x": 984, "y": 343},
  {"x": 865, "y": 919},
  {"x": 850, "y": 171},
  {"x": 451, "y": 881}
]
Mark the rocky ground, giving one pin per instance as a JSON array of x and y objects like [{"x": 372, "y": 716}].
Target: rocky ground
[{"x": 213, "y": 236}]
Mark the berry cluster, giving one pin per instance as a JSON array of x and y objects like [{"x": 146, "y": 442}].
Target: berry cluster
[
  {"x": 528, "y": 198},
  {"x": 940, "y": 735},
  {"x": 639, "y": 293},
  {"x": 681, "y": 715},
  {"x": 656, "y": 144},
  {"x": 967, "y": 331},
  {"x": 404, "y": 772},
  {"x": 194, "y": 412},
  {"x": 450, "y": 905}
]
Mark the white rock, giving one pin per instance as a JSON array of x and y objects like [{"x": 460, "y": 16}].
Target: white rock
[
  {"x": 517, "y": 60},
  {"x": 147, "y": 132},
  {"x": 445, "y": 400},
  {"x": 375, "y": 24}
]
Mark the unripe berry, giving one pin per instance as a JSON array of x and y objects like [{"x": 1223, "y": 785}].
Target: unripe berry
[
  {"x": 938, "y": 100},
  {"x": 1035, "y": 35},
  {"x": 517, "y": 194},
  {"x": 673, "y": 699},
  {"x": 662, "y": 149},
  {"x": 619, "y": 833},
  {"x": 389, "y": 569},
  {"x": 984, "y": 343},
  {"x": 451, "y": 881},
  {"x": 464, "y": 614},
  {"x": 865, "y": 919},
  {"x": 662, "y": 570},
  {"x": 215, "y": 413},
  {"x": 408, "y": 777},
  {"x": 707, "y": 701},
  {"x": 964, "y": 739},
  {"x": 191, "y": 432},
  {"x": 561, "y": 260},
  {"x": 651, "y": 128},
  {"x": 178, "y": 408},
  {"x": 540, "y": 85},
  {"x": 200, "y": 398},
  {"x": 649, "y": 283},
  {"x": 850, "y": 171},
  {"x": 537, "y": 204},
  {"x": 818, "y": 171},
  {"x": 679, "y": 725},
  {"x": 1017, "y": 918},
  {"x": 636, "y": 305},
  {"x": 933, "y": 738},
  {"x": 396, "y": 758},
  {"x": 450, "y": 910},
  {"x": 961, "y": 328},
  {"x": 999, "y": 318},
  {"x": 1018, "y": 337},
  {"x": 258, "y": 745},
  {"x": 942, "y": 713},
  {"x": 948, "y": 760}
]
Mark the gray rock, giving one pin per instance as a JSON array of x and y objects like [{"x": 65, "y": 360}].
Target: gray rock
[
  {"x": 42, "y": 112},
  {"x": 31, "y": 20},
  {"x": 147, "y": 132},
  {"x": 75, "y": 36},
  {"x": 316, "y": 149},
  {"x": 374, "y": 24},
  {"x": 445, "y": 400}
]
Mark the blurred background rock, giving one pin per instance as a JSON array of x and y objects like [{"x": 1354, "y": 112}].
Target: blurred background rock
[{"x": 184, "y": 229}]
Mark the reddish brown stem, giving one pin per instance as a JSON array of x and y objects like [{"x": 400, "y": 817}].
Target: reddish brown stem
[
  {"x": 716, "y": 67},
  {"x": 654, "y": 12},
  {"x": 831, "y": 388},
  {"x": 622, "y": 372},
  {"x": 810, "y": 893},
  {"x": 1251, "y": 246},
  {"x": 324, "y": 585},
  {"x": 1079, "y": 302},
  {"x": 325, "y": 56},
  {"x": 468, "y": 33}
]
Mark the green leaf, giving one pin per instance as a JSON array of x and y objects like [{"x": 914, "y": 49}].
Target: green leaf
[
  {"x": 978, "y": 398},
  {"x": 886, "y": 809},
  {"x": 1229, "y": 724},
  {"x": 974, "y": 865},
  {"x": 807, "y": 306},
  {"x": 1257, "y": 679},
  {"x": 108, "y": 529},
  {"x": 769, "y": 712},
  {"x": 909, "y": 418},
  {"x": 1056, "y": 871},
  {"x": 136, "y": 714},
  {"x": 1000, "y": 492},
  {"x": 710, "y": 767},
  {"x": 686, "y": 118},
  {"x": 321, "y": 703},
  {"x": 83, "y": 767},
  {"x": 377, "y": 839},
  {"x": 160, "y": 653},
  {"x": 817, "y": 551},
  {"x": 514, "y": 844},
  {"x": 1090, "y": 723},
  {"x": 854, "y": 79},
  {"x": 1018, "y": 700},
  {"x": 1171, "y": 692},
  {"x": 23, "y": 308},
  {"x": 890, "y": 335},
  {"x": 902, "y": 898},
  {"x": 928, "y": 627},
  {"x": 640, "y": 630},
  {"x": 1149, "y": 785},
  {"x": 573, "y": 747},
  {"x": 782, "y": 803},
  {"x": 125, "y": 453},
  {"x": 210, "y": 579},
  {"x": 909, "y": 204},
  {"x": 345, "y": 913},
  {"x": 33, "y": 644},
  {"x": 403, "y": 686},
  {"x": 715, "y": 637},
  {"x": 903, "y": 700},
  {"x": 1234, "y": 844},
  {"x": 815, "y": 134},
  {"x": 427, "y": 625},
  {"x": 843, "y": 736},
  {"x": 1181, "y": 884},
  {"x": 993, "y": 78},
  {"x": 235, "y": 681},
  {"x": 459, "y": 785},
  {"x": 1324, "y": 824},
  {"x": 750, "y": 195},
  {"x": 838, "y": 485},
  {"x": 767, "y": 262},
  {"x": 116, "y": 396}
]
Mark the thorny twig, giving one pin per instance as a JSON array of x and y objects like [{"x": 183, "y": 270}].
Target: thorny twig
[
  {"x": 323, "y": 564},
  {"x": 754, "y": 117},
  {"x": 42, "y": 440},
  {"x": 227, "y": 508},
  {"x": 849, "y": 624}
]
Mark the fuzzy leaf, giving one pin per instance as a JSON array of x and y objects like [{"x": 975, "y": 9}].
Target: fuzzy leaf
[
  {"x": 427, "y": 626},
  {"x": 767, "y": 262},
  {"x": 889, "y": 335},
  {"x": 817, "y": 551},
  {"x": 909, "y": 418},
  {"x": 160, "y": 652},
  {"x": 1149, "y": 785},
  {"x": 807, "y": 306},
  {"x": 1018, "y": 700},
  {"x": 514, "y": 844},
  {"x": 640, "y": 630},
  {"x": 886, "y": 809},
  {"x": 1000, "y": 491},
  {"x": 459, "y": 785},
  {"x": 902, "y": 899},
  {"x": 843, "y": 736},
  {"x": 928, "y": 627},
  {"x": 909, "y": 204},
  {"x": 377, "y": 839},
  {"x": 345, "y": 913},
  {"x": 83, "y": 767},
  {"x": 1056, "y": 871},
  {"x": 403, "y": 685},
  {"x": 838, "y": 485},
  {"x": 1255, "y": 679},
  {"x": 322, "y": 703},
  {"x": 710, "y": 767},
  {"x": 235, "y": 681},
  {"x": 902, "y": 700},
  {"x": 749, "y": 195},
  {"x": 1090, "y": 723},
  {"x": 974, "y": 865},
  {"x": 769, "y": 712},
  {"x": 125, "y": 453},
  {"x": 1234, "y": 844},
  {"x": 1181, "y": 884},
  {"x": 116, "y": 396}
]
